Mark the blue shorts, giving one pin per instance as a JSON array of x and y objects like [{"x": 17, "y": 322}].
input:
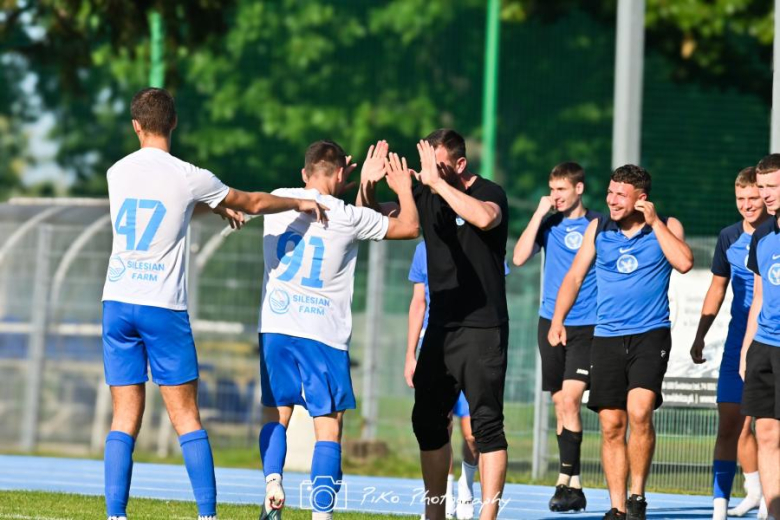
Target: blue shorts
[
  {"x": 135, "y": 336},
  {"x": 304, "y": 372},
  {"x": 461, "y": 408},
  {"x": 729, "y": 383}
]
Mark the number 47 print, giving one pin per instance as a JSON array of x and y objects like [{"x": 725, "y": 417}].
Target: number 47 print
[{"x": 129, "y": 212}]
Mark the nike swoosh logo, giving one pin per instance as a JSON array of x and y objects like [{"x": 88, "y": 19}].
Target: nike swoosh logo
[
  {"x": 775, "y": 257},
  {"x": 626, "y": 250},
  {"x": 570, "y": 229}
]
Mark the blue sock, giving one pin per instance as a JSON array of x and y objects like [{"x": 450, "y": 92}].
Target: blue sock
[
  {"x": 273, "y": 448},
  {"x": 118, "y": 467},
  {"x": 325, "y": 473},
  {"x": 723, "y": 478},
  {"x": 196, "y": 450}
]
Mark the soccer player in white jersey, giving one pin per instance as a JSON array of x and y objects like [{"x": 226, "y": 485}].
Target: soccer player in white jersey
[
  {"x": 305, "y": 316},
  {"x": 152, "y": 195}
]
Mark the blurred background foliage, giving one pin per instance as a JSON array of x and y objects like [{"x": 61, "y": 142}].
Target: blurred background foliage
[{"x": 255, "y": 82}]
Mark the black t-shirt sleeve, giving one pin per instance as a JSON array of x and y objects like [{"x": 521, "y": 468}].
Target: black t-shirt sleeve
[
  {"x": 753, "y": 254},
  {"x": 720, "y": 262}
]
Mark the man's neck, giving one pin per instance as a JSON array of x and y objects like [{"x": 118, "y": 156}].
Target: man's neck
[
  {"x": 632, "y": 223},
  {"x": 576, "y": 211},
  {"x": 156, "y": 141},
  {"x": 465, "y": 180},
  {"x": 747, "y": 227},
  {"x": 321, "y": 185}
]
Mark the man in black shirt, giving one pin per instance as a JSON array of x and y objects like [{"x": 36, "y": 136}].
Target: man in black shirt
[{"x": 464, "y": 219}]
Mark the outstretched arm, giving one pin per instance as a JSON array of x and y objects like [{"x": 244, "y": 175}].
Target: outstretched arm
[
  {"x": 259, "y": 203},
  {"x": 570, "y": 287}
]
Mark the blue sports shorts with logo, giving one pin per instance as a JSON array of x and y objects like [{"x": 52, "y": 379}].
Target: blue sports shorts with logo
[
  {"x": 138, "y": 337},
  {"x": 300, "y": 371}
]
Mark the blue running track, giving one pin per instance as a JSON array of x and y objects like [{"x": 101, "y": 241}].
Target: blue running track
[{"x": 359, "y": 493}]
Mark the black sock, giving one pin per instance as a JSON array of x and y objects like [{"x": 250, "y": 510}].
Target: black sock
[{"x": 569, "y": 446}]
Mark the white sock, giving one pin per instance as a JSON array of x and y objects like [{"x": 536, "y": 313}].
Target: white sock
[
  {"x": 467, "y": 472},
  {"x": 763, "y": 514},
  {"x": 273, "y": 476},
  {"x": 575, "y": 482},
  {"x": 719, "y": 509},
  {"x": 449, "y": 500},
  {"x": 321, "y": 516},
  {"x": 753, "y": 483},
  {"x": 563, "y": 479}
]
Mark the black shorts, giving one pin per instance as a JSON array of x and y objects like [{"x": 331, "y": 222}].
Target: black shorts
[
  {"x": 472, "y": 360},
  {"x": 565, "y": 362},
  {"x": 621, "y": 363},
  {"x": 761, "y": 394}
]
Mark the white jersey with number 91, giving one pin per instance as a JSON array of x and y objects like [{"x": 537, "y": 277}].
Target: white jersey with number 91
[
  {"x": 152, "y": 195},
  {"x": 310, "y": 268}
]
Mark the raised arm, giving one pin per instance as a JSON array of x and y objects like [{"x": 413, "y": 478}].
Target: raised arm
[
  {"x": 372, "y": 172},
  {"x": 484, "y": 215},
  {"x": 712, "y": 303},
  {"x": 416, "y": 319},
  {"x": 526, "y": 246},
  {"x": 752, "y": 323},
  {"x": 406, "y": 224},
  {"x": 671, "y": 237},
  {"x": 570, "y": 287}
]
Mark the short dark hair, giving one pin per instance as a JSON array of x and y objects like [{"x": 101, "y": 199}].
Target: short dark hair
[
  {"x": 325, "y": 156},
  {"x": 571, "y": 171},
  {"x": 634, "y": 175},
  {"x": 154, "y": 110},
  {"x": 769, "y": 164},
  {"x": 746, "y": 177},
  {"x": 451, "y": 140}
]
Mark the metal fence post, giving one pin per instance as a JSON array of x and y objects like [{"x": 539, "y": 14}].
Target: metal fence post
[
  {"x": 375, "y": 291},
  {"x": 629, "y": 65},
  {"x": 539, "y": 459},
  {"x": 37, "y": 346}
]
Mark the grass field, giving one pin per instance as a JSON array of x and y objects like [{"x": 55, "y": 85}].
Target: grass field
[{"x": 29, "y": 505}]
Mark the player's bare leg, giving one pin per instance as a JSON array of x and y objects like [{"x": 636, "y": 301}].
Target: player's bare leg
[
  {"x": 470, "y": 454},
  {"x": 128, "y": 402},
  {"x": 492, "y": 474},
  {"x": 435, "y": 465},
  {"x": 614, "y": 458}
]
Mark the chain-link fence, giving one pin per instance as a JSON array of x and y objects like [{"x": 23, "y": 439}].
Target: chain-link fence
[{"x": 53, "y": 398}]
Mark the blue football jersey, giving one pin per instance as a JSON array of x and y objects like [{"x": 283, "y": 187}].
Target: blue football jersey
[
  {"x": 561, "y": 238},
  {"x": 632, "y": 276},
  {"x": 730, "y": 261},
  {"x": 764, "y": 260}
]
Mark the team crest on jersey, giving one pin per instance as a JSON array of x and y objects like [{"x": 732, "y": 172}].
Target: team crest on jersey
[
  {"x": 116, "y": 269},
  {"x": 627, "y": 264},
  {"x": 573, "y": 240},
  {"x": 459, "y": 221},
  {"x": 279, "y": 301},
  {"x": 774, "y": 274}
]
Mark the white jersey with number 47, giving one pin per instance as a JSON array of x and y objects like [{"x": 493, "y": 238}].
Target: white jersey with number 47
[
  {"x": 152, "y": 194},
  {"x": 310, "y": 268}
]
